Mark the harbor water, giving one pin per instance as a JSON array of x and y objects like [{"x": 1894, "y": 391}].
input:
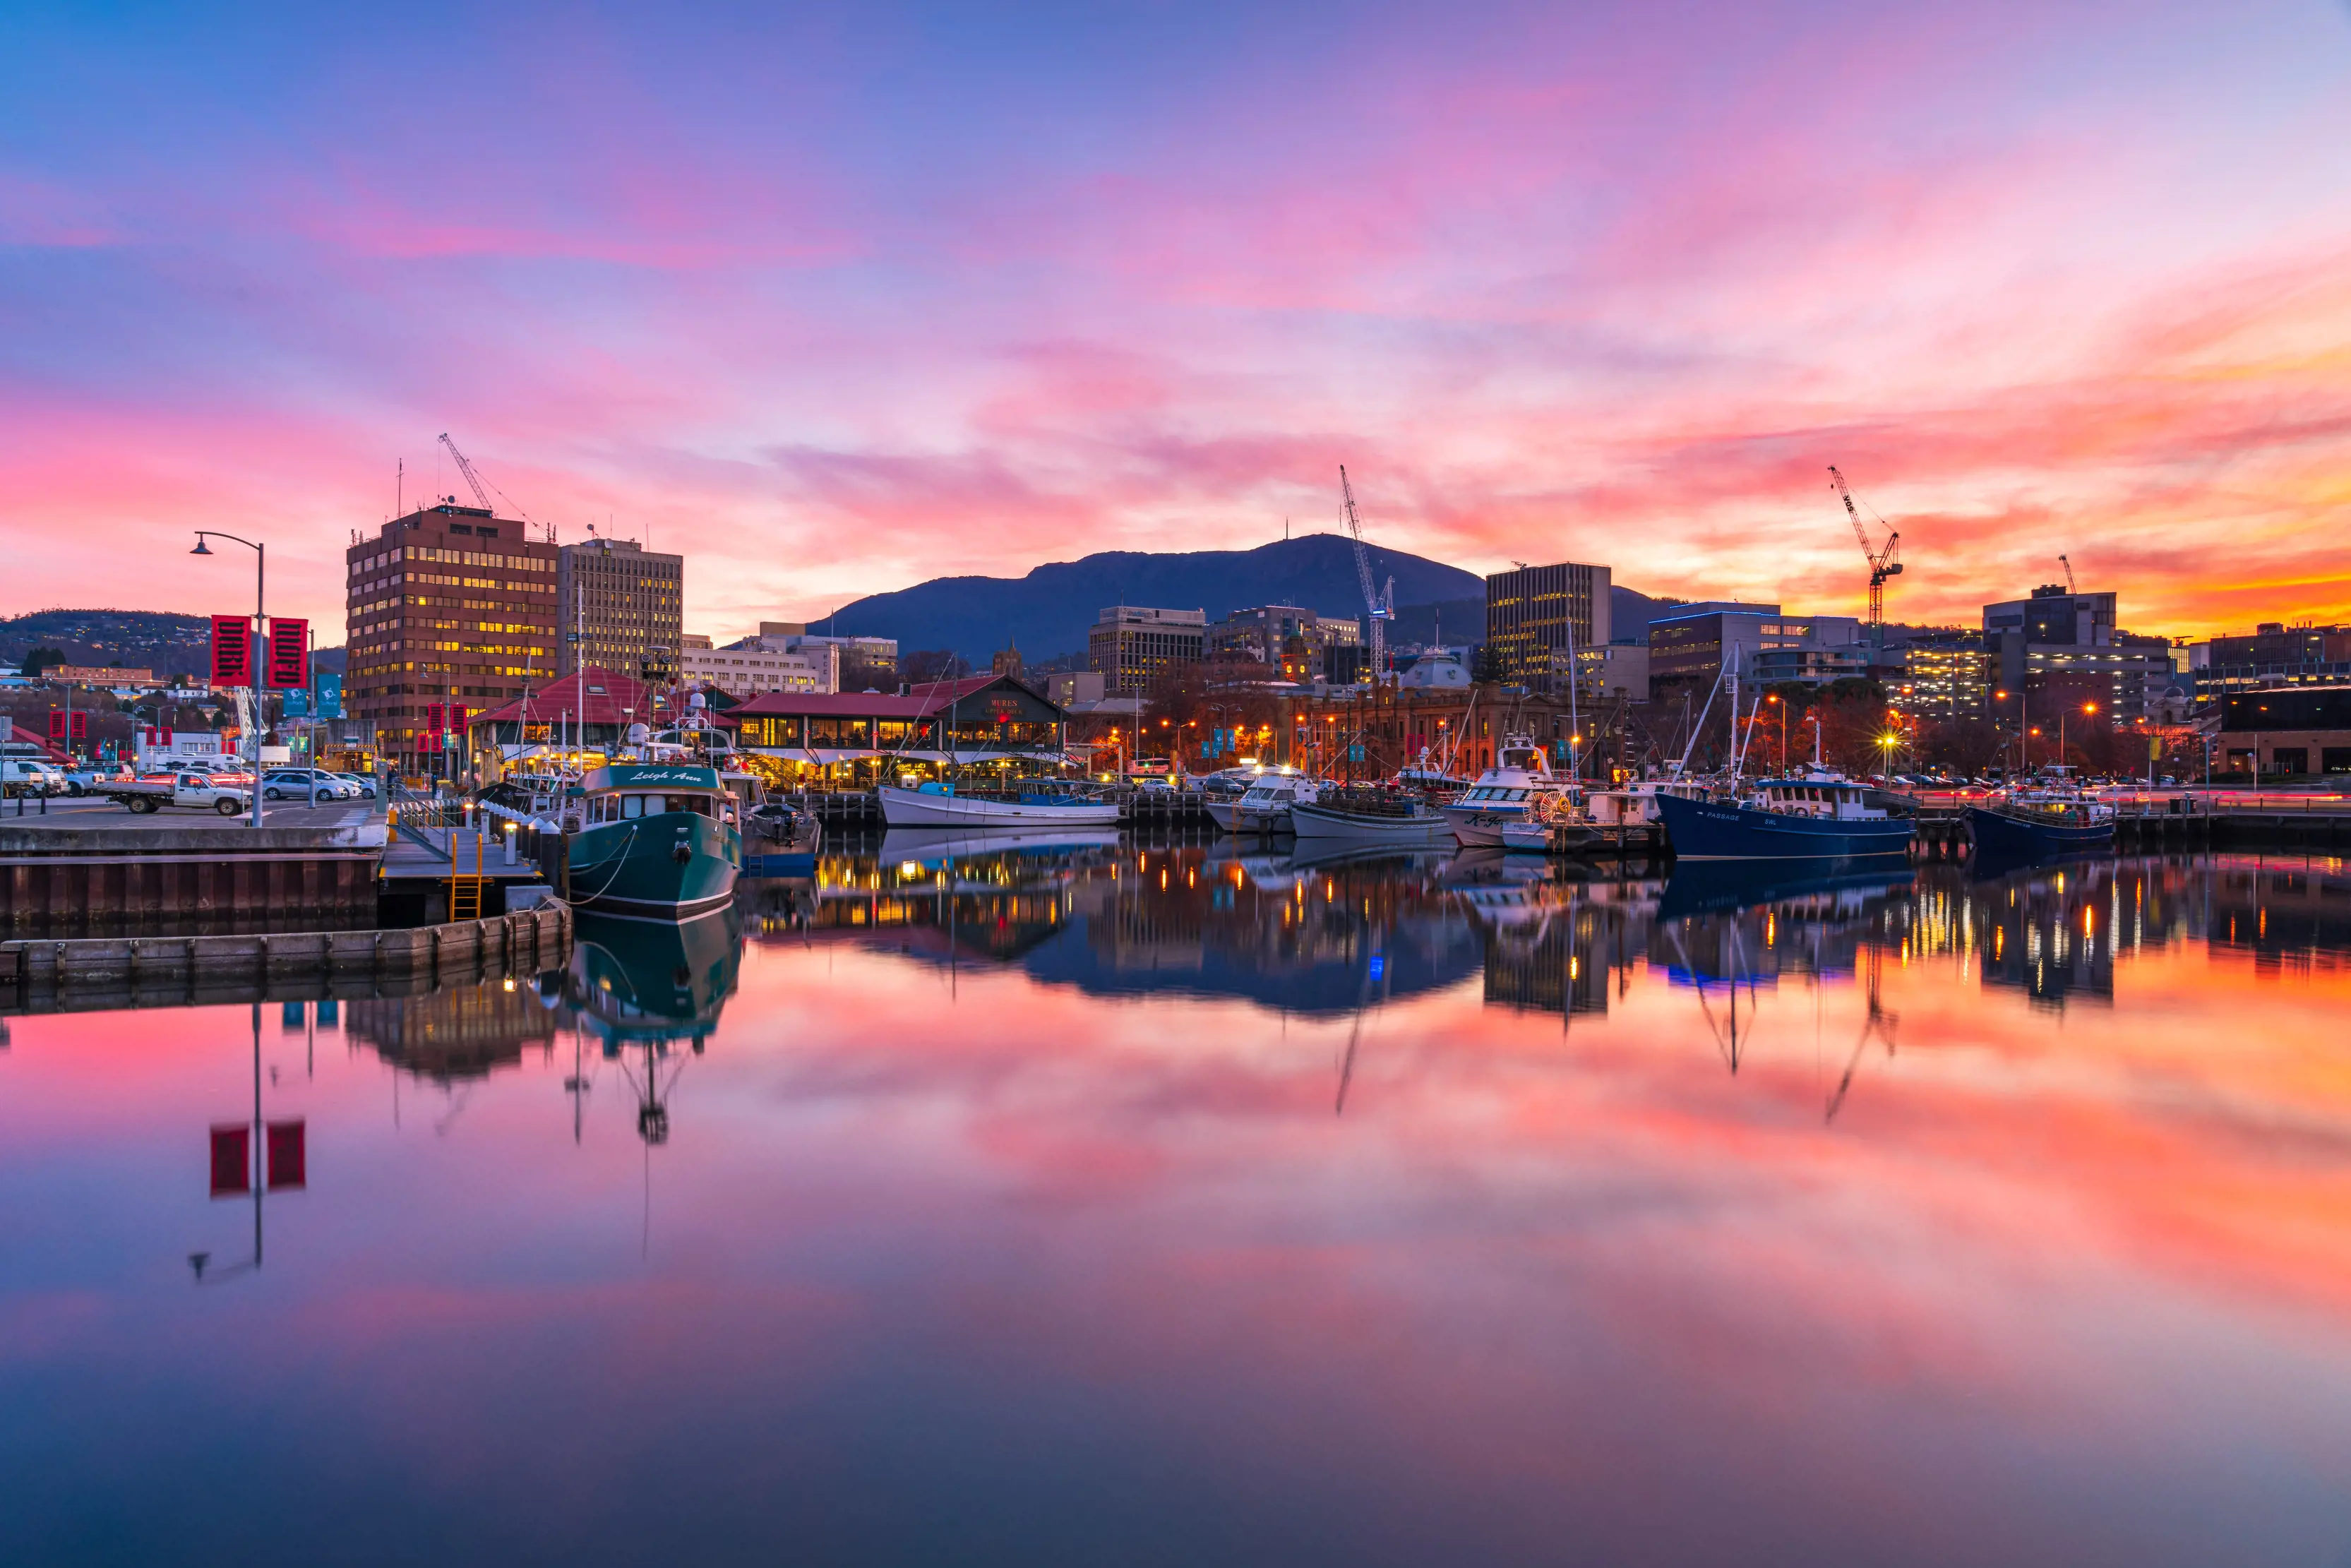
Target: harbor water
[{"x": 1086, "y": 1202}]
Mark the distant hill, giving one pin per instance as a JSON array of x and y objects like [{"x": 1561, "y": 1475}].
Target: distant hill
[
  {"x": 149, "y": 639},
  {"x": 1046, "y": 613},
  {"x": 157, "y": 639}
]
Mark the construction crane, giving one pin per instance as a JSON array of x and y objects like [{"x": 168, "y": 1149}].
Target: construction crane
[
  {"x": 1381, "y": 604},
  {"x": 472, "y": 478},
  {"x": 1883, "y": 563},
  {"x": 2068, "y": 565}
]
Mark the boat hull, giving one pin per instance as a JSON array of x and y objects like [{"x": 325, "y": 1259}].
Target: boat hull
[
  {"x": 1999, "y": 833},
  {"x": 1481, "y": 826},
  {"x": 1333, "y": 825},
  {"x": 1705, "y": 831},
  {"x": 914, "y": 809},
  {"x": 672, "y": 865}
]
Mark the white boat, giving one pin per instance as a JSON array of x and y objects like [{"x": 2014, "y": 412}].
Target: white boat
[
  {"x": 1040, "y": 803},
  {"x": 1340, "y": 818},
  {"x": 1265, "y": 809},
  {"x": 1503, "y": 794},
  {"x": 1554, "y": 824}
]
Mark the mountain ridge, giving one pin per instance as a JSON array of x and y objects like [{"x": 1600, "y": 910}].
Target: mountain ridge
[{"x": 1046, "y": 611}]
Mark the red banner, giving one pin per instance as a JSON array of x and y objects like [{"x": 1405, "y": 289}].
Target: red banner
[
  {"x": 80, "y": 725},
  {"x": 232, "y": 651},
  {"x": 231, "y": 1169},
  {"x": 289, "y": 654},
  {"x": 56, "y": 723},
  {"x": 287, "y": 1166}
]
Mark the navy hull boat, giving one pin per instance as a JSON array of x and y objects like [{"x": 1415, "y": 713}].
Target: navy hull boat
[
  {"x": 1819, "y": 817},
  {"x": 2022, "y": 829}
]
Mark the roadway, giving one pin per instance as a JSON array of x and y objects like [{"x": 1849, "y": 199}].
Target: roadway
[{"x": 96, "y": 811}]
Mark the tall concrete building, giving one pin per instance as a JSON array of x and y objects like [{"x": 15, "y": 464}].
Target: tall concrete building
[
  {"x": 1536, "y": 614},
  {"x": 449, "y": 604},
  {"x": 2064, "y": 642},
  {"x": 621, "y": 607},
  {"x": 1129, "y": 645}
]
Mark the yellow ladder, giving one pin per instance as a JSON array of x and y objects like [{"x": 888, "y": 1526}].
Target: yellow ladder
[{"x": 465, "y": 891}]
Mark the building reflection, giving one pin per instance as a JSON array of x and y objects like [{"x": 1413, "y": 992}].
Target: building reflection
[
  {"x": 1296, "y": 933},
  {"x": 457, "y": 1034}
]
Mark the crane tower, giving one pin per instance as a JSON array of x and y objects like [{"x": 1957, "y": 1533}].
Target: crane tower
[
  {"x": 1381, "y": 604},
  {"x": 1883, "y": 563}
]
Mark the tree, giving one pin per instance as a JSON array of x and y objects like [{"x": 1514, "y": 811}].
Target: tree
[
  {"x": 1487, "y": 664},
  {"x": 41, "y": 659}
]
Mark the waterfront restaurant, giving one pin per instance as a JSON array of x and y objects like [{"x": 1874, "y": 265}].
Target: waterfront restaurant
[
  {"x": 853, "y": 739},
  {"x": 577, "y": 723}
]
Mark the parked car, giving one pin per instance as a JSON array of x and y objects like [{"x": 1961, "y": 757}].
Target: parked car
[
  {"x": 31, "y": 776},
  {"x": 90, "y": 780},
  {"x": 195, "y": 791},
  {"x": 361, "y": 782},
  {"x": 313, "y": 784}
]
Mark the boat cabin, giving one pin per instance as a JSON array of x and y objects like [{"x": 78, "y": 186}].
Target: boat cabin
[
  {"x": 627, "y": 791},
  {"x": 1819, "y": 796}
]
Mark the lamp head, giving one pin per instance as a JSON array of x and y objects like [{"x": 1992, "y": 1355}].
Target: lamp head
[{"x": 202, "y": 549}]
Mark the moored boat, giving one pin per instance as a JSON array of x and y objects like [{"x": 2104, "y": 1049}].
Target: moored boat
[
  {"x": 654, "y": 841},
  {"x": 1520, "y": 780},
  {"x": 1266, "y": 807},
  {"x": 1819, "y": 816},
  {"x": 1369, "y": 817},
  {"x": 1032, "y": 801},
  {"x": 2029, "y": 827}
]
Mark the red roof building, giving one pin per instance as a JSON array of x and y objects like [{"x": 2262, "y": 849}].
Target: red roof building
[
  {"x": 590, "y": 710},
  {"x": 993, "y": 719}
]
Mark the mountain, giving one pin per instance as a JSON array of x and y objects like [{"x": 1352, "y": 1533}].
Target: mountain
[{"x": 1047, "y": 612}]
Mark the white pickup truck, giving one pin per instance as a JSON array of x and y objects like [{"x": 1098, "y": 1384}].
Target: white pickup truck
[{"x": 189, "y": 791}]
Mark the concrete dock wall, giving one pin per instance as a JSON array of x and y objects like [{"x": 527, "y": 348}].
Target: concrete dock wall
[
  {"x": 87, "y": 973},
  {"x": 54, "y": 877}
]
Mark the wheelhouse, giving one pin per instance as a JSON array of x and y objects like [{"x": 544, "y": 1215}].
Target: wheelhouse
[
  {"x": 632, "y": 792},
  {"x": 1835, "y": 798}
]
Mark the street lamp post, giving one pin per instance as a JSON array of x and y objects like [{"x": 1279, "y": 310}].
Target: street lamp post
[{"x": 252, "y": 653}]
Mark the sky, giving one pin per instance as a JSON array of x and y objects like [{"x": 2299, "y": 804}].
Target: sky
[{"x": 835, "y": 301}]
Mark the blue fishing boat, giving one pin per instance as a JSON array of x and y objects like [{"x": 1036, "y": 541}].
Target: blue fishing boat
[
  {"x": 2027, "y": 827},
  {"x": 1820, "y": 817}
]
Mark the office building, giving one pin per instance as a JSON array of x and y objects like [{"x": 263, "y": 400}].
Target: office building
[
  {"x": 1690, "y": 646},
  {"x": 2061, "y": 640},
  {"x": 867, "y": 663},
  {"x": 448, "y": 604},
  {"x": 2275, "y": 655},
  {"x": 2286, "y": 731},
  {"x": 1129, "y": 646},
  {"x": 1294, "y": 639},
  {"x": 621, "y": 608},
  {"x": 1944, "y": 677},
  {"x": 1535, "y": 615},
  {"x": 748, "y": 667}
]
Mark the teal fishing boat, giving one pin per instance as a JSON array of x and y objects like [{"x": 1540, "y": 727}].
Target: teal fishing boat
[{"x": 654, "y": 841}]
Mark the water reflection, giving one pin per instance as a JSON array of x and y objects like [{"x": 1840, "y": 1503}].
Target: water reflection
[{"x": 1004, "y": 1215}]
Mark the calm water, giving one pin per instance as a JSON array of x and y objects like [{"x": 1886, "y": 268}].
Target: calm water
[{"x": 1121, "y": 1206}]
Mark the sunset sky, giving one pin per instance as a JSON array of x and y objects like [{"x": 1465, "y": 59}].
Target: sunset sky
[{"x": 837, "y": 301}]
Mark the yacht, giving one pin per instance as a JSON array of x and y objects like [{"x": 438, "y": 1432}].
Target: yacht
[
  {"x": 1265, "y": 808},
  {"x": 1502, "y": 795}
]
